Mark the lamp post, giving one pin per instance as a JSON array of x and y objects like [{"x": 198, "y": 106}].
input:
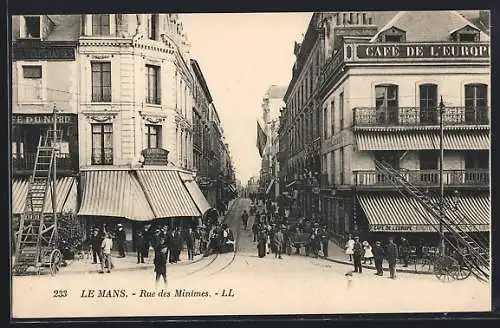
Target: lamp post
[{"x": 441, "y": 182}]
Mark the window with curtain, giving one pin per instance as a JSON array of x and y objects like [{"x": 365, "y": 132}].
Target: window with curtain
[
  {"x": 153, "y": 136},
  {"x": 332, "y": 116},
  {"x": 101, "y": 81},
  {"x": 102, "y": 144},
  {"x": 100, "y": 25},
  {"x": 153, "y": 93},
  {"x": 476, "y": 103},
  {"x": 386, "y": 103},
  {"x": 428, "y": 103}
]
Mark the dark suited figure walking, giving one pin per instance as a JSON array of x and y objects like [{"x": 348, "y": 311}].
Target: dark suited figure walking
[
  {"x": 190, "y": 238},
  {"x": 120, "y": 237},
  {"x": 392, "y": 255},
  {"x": 405, "y": 249},
  {"x": 96, "y": 242},
  {"x": 139, "y": 247},
  {"x": 160, "y": 260},
  {"x": 378, "y": 255},
  {"x": 358, "y": 253}
]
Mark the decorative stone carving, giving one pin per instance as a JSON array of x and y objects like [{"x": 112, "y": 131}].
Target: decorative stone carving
[
  {"x": 153, "y": 119},
  {"x": 101, "y": 118}
]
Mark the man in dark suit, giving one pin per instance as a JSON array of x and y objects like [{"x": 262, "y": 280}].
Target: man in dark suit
[
  {"x": 96, "y": 242},
  {"x": 139, "y": 247},
  {"x": 190, "y": 238},
  {"x": 120, "y": 237},
  {"x": 378, "y": 254},
  {"x": 358, "y": 253},
  {"x": 392, "y": 255}
]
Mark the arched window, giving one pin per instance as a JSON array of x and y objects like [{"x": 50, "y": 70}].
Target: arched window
[
  {"x": 476, "y": 103},
  {"x": 428, "y": 103},
  {"x": 386, "y": 103}
]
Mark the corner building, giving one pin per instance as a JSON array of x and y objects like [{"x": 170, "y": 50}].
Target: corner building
[
  {"x": 124, "y": 90},
  {"x": 380, "y": 100}
]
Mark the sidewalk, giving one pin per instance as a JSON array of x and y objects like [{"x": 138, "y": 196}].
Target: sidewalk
[
  {"x": 128, "y": 263},
  {"x": 337, "y": 254}
]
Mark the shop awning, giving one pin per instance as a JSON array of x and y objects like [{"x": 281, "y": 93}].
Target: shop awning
[
  {"x": 395, "y": 213},
  {"x": 195, "y": 192},
  {"x": 114, "y": 193},
  {"x": 422, "y": 140},
  {"x": 66, "y": 195},
  {"x": 270, "y": 186},
  {"x": 167, "y": 193}
]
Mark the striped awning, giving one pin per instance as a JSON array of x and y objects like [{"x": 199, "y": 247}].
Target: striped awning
[
  {"x": 114, "y": 193},
  {"x": 167, "y": 194},
  {"x": 66, "y": 199},
  {"x": 395, "y": 213},
  {"x": 422, "y": 140},
  {"x": 195, "y": 192}
]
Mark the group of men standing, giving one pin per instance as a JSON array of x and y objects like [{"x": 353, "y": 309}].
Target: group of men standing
[
  {"x": 101, "y": 242},
  {"x": 378, "y": 254}
]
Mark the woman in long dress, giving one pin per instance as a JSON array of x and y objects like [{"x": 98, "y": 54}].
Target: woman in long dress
[
  {"x": 349, "y": 247},
  {"x": 262, "y": 242}
]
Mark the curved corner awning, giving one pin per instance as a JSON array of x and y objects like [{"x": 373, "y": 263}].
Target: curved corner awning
[
  {"x": 167, "y": 193},
  {"x": 395, "y": 213},
  {"x": 270, "y": 186},
  {"x": 114, "y": 193},
  {"x": 66, "y": 199},
  {"x": 196, "y": 193},
  {"x": 422, "y": 140}
]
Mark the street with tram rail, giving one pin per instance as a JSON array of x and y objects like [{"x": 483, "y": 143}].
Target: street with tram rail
[{"x": 241, "y": 283}]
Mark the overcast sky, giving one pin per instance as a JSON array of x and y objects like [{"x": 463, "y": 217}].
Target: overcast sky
[{"x": 240, "y": 56}]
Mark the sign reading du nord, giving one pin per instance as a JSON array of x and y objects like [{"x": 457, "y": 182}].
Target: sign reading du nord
[{"x": 423, "y": 50}]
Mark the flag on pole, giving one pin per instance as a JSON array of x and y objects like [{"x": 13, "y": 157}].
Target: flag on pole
[{"x": 261, "y": 138}]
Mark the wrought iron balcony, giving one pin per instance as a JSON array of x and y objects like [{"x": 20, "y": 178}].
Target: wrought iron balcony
[
  {"x": 430, "y": 178},
  {"x": 26, "y": 162},
  {"x": 415, "y": 116}
]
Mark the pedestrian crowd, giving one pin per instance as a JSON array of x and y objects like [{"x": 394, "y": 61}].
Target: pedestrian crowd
[{"x": 358, "y": 251}]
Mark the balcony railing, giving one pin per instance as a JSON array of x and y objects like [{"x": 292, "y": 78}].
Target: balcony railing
[
  {"x": 26, "y": 162},
  {"x": 471, "y": 177},
  {"x": 408, "y": 116}
]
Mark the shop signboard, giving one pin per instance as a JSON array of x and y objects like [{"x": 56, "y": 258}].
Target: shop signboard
[{"x": 155, "y": 156}]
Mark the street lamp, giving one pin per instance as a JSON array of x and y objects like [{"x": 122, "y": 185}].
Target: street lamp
[
  {"x": 455, "y": 198},
  {"x": 441, "y": 182}
]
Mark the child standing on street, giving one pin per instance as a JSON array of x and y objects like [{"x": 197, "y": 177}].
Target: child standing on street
[
  {"x": 368, "y": 254},
  {"x": 106, "y": 245}
]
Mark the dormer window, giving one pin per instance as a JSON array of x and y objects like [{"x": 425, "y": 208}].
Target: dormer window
[
  {"x": 467, "y": 33},
  {"x": 100, "y": 25},
  {"x": 392, "y": 34},
  {"x": 32, "y": 27}
]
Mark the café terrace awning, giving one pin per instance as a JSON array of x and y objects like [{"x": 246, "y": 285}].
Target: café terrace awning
[
  {"x": 66, "y": 199},
  {"x": 195, "y": 192},
  {"x": 422, "y": 140},
  {"x": 395, "y": 213},
  {"x": 167, "y": 193},
  {"x": 114, "y": 193}
]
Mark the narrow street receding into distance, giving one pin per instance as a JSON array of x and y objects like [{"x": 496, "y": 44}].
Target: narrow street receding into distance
[{"x": 302, "y": 284}]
